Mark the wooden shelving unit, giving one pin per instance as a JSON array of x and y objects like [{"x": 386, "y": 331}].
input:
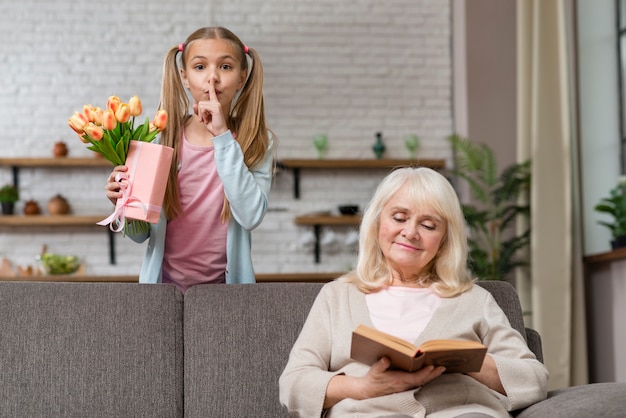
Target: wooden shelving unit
[
  {"x": 48, "y": 162},
  {"x": 64, "y": 220},
  {"x": 55, "y": 162},
  {"x": 328, "y": 220},
  {"x": 360, "y": 163},
  {"x": 260, "y": 278},
  {"x": 50, "y": 220},
  {"x": 296, "y": 165}
]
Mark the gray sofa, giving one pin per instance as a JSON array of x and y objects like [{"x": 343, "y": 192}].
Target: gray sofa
[{"x": 132, "y": 350}]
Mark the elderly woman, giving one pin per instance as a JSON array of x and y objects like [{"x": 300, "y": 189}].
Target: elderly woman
[{"x": 410, "y": 281}]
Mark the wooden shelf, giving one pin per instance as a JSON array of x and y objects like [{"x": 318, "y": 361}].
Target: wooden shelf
[
  {"x": 385, "y": 163},
  {"x": 69, "y": 278},
  {"x": 360, "y": 163},
  {"x": 260, "y": 278},
  {"x": 328, "y": 220},
  {"x": 297, "y": 277},
  {"x": 65, "y": 220},
  {"x": 55, "y": 162},
  {"x": 50, "y": 220},
  {"x": 614, "y": 255}
]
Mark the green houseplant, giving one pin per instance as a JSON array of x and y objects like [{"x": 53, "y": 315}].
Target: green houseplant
[
  {"x": 615, "y": 206},
  {"x": 493, "y": 244},
  {"x": 8, "y": 196}
]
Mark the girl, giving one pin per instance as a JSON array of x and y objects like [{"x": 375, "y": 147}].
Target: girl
[{"x": 221, "y": 174}]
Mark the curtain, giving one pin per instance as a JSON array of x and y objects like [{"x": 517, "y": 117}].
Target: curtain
[{"x": 552, "y": 289}]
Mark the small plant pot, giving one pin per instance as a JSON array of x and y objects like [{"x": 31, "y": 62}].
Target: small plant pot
[
  {"x": 8, "y": 208},
  {"x": 619, "y": 242}
]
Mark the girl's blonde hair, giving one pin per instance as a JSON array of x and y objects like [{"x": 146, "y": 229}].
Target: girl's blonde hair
[
  {"x": 246, "y": 118},
  {"x": 447, "y": 273}
]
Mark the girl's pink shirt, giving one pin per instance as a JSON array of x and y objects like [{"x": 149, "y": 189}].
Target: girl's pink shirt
[
  {"x": 402, "y": 311},
  {"x": 195, "y": 242}
]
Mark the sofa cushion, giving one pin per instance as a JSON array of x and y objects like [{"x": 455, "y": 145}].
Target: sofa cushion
[
  {"x": 90, "y": 350},
  {"x": 237, "y": 341},
  {"x": 605, "y": 400}
]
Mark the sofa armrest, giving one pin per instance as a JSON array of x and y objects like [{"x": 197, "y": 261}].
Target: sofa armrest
[
  {"x": 533, "y": 339},
  {"x": 605, "y": 400}
]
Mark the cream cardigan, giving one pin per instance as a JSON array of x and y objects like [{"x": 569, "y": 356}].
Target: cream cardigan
[{"x": 323, "y": 350}]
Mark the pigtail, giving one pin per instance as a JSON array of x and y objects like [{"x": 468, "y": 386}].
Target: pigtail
[
  {"x": 174, "y": 100},
  {"x": 248, "y": 115},
  {"x": 247, "y": 119}
]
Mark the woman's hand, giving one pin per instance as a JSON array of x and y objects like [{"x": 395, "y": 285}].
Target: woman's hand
[
  {"x": 378, "y": 381},
  {"x": 116, "y": 183},
  {"x": 488, "y": 375},
  {"x": 209, "y": 112}
]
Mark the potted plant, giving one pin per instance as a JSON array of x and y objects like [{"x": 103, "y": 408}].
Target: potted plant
[
  {"x": 615, "y": 206},
  {"x": 8, "y": 196},
  {"x": 493, "y": 243}
]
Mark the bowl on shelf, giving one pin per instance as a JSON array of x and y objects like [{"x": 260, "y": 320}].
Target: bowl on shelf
[
  {"x": 349, "y": 209},
  {"x": 57, "y": 264}
]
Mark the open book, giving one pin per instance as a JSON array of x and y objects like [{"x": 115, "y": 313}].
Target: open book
[{"x": 458, "y": 356}]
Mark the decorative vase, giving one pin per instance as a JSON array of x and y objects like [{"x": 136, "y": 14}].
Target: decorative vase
[
  {"x": 59, "y": 149},
  {"x": 8, "y": 208},
  {"x": 379, "y": 146},
  {"x": 320, "y": 142},
  {"x": 58, "y": 205},
  {"x": 619, "y": 242},
  {"x": 411, "y": 142},
  {"x": 31, "y": 207}
]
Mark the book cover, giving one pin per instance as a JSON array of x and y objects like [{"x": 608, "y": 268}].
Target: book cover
[{"x": 458, "y": 356}]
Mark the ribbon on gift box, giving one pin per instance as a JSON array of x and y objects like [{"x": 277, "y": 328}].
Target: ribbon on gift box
[{"x": 118, "y": 217}]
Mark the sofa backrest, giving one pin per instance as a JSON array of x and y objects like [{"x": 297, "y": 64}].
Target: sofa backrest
[
  {"x": 117, "y": 349},
  {"x": 238, "y": 338},
  {"x": 90, "y": 350},
  {"x": 506, "y": 296}
]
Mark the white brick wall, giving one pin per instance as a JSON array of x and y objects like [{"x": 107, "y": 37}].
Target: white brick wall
[{"x": 347, "y": 69}]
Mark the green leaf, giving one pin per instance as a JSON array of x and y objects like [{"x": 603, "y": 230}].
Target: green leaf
[{"x": 498, "y": 200}]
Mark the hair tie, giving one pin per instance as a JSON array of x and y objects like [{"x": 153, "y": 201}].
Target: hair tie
[
  {"x": 245, "y": 49},
  {"x": 181, "y": 47}
]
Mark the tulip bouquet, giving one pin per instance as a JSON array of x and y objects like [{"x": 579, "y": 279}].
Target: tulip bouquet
[{"x": 110, "y": 131}]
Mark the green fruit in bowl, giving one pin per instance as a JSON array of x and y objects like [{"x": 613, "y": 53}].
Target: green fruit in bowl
[{"x": 59, "y": 264}]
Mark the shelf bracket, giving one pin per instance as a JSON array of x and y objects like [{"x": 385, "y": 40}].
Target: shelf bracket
[
  {"x": 317, "y": 233},
  {"x": 16, "y": 176},
  {"x": 111, "y": 247},
  {"x": 296, "y": 183}
]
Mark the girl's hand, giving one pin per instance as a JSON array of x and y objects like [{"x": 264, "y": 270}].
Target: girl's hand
[
  {"x": 209, "y": 112},
  {"x": 378, "y": 381},
  {"x": 115, "y": 183}
]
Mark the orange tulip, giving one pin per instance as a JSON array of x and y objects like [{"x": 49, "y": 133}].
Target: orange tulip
[
  {"x": 108, "y": 120},
  {"x": 93, "y": 114},
  {"x": 94, "y": 131},
  {"x": 135, "y": 106},
  {"x": 77, "y": 122},
  {"x": 160, "y": 120},
  {"x": 82, "y": 139},
  {"x": 113, "y": 103},
  {"x": 97, "y": 115},
  {"x": 122, "y": 114}
]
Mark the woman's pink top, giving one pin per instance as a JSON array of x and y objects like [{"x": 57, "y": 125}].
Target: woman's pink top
[{"x": 402, "y": 311}]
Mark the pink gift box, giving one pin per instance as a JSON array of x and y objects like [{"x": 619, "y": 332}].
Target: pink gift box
[{"x": 148, "y": 169}]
